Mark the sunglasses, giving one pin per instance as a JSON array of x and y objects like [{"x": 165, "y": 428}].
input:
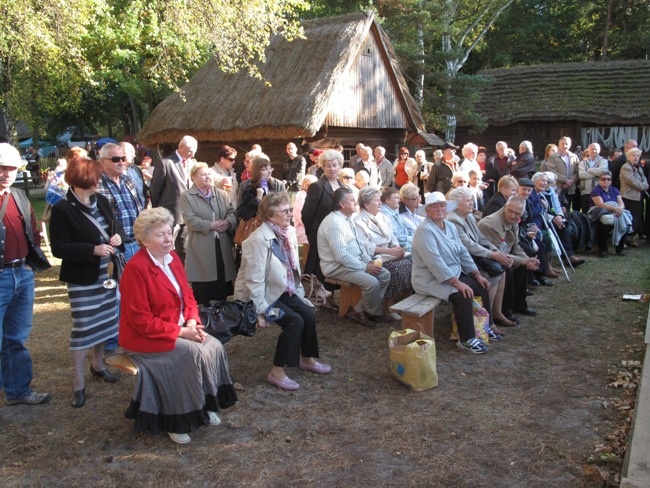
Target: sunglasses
[
  {"x": 606, "y": 179},
  {"x": 286, "y": 211},
  {"x": 231, "y": 159},
  {"x": 117, "y": 159}
]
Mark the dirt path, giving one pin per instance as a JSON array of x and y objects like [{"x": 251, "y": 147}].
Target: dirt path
[{"x": 528, "y": 414}]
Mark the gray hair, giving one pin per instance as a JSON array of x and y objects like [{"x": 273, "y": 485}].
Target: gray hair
[
  {"x": 107, "y": 148},
  {"x": 527, "y": 145},
  {"x": 632, "y": 152},
  {"x": 470, "y": 145},
  {"x": 366, "y": 194},
  {"x": 459, "y": 194},
  {"x": 330, "y": 155},
  {"x": 538, "y": 176},
  {"x": 409, "y": 190}
]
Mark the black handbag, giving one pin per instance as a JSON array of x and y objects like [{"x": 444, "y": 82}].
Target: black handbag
[
  {"x": 119, "y": 263},
  {"x": 490, "y": 266},
  {"x": 223, "y": 319}
]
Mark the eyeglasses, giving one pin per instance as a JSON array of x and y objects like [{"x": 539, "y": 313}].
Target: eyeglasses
[
  {"x": 266, "y": 168},
  {"x": 231, "y": 159},
  {"x": 286, "y": 211},
  {"x": 117, "y": 159},
  {"x": 403, "y": 154},
  {"x": 606, "y": 179}
]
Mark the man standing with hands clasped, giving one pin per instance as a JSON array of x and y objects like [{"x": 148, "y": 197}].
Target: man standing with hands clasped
[{"x": 19, "y": 257}]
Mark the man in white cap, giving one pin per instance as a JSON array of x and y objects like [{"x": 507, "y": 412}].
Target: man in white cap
[{"x": 19, "y": 255}]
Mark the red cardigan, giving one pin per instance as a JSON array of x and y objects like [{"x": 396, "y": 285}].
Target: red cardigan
[{"x": 150, "y": 306}]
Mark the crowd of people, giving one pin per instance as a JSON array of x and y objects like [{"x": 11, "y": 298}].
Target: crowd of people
[{"x": 459, "y": 229}]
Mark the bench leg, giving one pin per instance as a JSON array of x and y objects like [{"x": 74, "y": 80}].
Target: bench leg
[
  {"x": 348, "y": 298},
  {"x": 423, "y": 324}
]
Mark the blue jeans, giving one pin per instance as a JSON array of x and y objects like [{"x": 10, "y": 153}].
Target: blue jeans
[
  {"x": 16, "y": 311},
  {"x": 130, "y": 249}
]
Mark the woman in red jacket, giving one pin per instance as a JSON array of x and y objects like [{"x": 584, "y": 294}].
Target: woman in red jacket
[{"x": 183, "y": 378}]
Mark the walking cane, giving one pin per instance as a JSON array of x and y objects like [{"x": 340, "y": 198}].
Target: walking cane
[{"x": 557, "y": 245}]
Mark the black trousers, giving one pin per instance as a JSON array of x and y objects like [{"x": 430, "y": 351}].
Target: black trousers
[
  {"x": 463, "y": 307},
  {"x": 298, "y": 332},
  {"x": 514, "y": 295},
  {"x": 205, "y": 291},
  {"x": 602, "y": 236}
]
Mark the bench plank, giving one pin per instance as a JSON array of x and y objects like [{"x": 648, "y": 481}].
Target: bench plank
[
  {"x": 417, "y": 312},
  {"x": 122, "y": 362}
]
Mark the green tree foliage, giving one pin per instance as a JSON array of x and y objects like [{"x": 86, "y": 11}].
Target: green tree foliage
[{"x": 124, "y": 55}]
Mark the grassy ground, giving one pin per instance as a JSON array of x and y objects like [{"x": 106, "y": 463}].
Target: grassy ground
[{"x": 527, "y": 414}]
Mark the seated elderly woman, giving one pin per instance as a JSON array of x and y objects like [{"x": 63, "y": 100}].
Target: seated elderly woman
[
  {"x": 443, "y": 268},
  {"x": 609, "y": 215},
  {"x": 409, "y": 194},
  {"x": 480, "y": 248},
  {"x": 183, "y": 378},
  {"x": 376, "y": 236},
  {"x": 390, "y": 202},
  {"x": 270, "y": 276}
]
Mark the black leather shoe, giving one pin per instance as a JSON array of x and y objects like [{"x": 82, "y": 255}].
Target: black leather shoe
[
  {"x": 105, "y": 374},
  {"x": 514, "y": 318},
  {"x": 531, "y": 312},
  {"x": 78, "y": 398},
  {"x": 545, "y": 282},
  {"x": 529, "y": 293},
  {"x": 535, "y": 283}
]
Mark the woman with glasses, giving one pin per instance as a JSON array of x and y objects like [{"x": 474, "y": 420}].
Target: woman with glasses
[
  {"x": 318, "y": 204},
  {"x": 85, "y": 234},
  {"x": 270, "y": 276},
  {"x": 609, "y": 214},
  {"x": 225, "y": 176},
  {"x": 405, "y": 168},
  {"x": 409, "y": 194},
  {"x": 210, "y": 218},
  {"x": 261, "y": 183}
]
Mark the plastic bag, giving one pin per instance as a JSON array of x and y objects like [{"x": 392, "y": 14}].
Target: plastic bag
[
  {"x": 481, "y": 322},
  {"x": 413, "y": 359}
]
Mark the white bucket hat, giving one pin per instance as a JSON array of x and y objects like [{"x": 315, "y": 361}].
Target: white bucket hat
[
  {"x": 9, "y": 155},
  {"x": 434, "y": 197}
]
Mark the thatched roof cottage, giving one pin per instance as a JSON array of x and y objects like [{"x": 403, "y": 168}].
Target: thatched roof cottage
[
  {"x": 604, "y": 102},
  {"x": 340, "y": 84}
]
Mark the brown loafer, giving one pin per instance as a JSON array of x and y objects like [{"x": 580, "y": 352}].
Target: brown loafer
[
  {"x": 360, "y": 317},
  {"x": 552, "y": 273}
]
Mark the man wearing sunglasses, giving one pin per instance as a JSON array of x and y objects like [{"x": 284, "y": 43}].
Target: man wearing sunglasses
[
  {"x": 120, "y": 190},
  {"x": 170, "y": 179}
]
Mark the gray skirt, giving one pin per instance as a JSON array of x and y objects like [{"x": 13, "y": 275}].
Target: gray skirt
[
  {"x": 174, "y": 390},
  {"x": 94, "y": 312}
]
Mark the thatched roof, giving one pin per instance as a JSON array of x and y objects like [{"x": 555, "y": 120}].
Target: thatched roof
[
  {"x": 616, "y": 92},
  {"x": 215, "y": 106}
]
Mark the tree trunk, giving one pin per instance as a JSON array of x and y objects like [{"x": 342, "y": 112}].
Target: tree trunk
[
  {"x": 134, "y": 115},
  {"x": 608, "y": 22}
]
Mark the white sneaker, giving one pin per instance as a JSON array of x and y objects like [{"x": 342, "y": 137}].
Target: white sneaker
[
  {"x": 214, "y": 418},
  {"x": 179, "y": 438}
]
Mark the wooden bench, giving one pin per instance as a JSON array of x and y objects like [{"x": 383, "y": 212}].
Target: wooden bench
[
  {"x": 417, "y": 312},
  {"x": 349, "y": 297},
  {"x": 122, "y": 362}
]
